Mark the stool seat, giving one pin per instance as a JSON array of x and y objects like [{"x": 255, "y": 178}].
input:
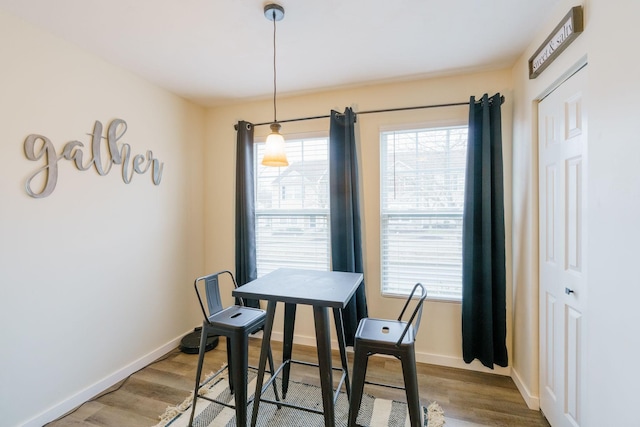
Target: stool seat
[
  {"x": 384, "y": 332},
  {"x": 237, "y": 317}
]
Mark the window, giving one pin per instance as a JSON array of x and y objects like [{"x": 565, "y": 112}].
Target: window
[
  {"x": 292, "y": 208},
  {"x": 422, "y": 198}
]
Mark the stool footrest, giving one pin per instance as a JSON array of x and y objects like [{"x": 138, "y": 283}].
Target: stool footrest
[
  {"x": 303, "y": 408},
  {"x": 291, "y": 405},
  {"x": 385, "y": 385}
]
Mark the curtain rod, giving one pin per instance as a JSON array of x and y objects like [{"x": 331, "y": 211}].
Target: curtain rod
[
  {"x": 386, "y": 110},
  {"x": 369, "y": 112}
]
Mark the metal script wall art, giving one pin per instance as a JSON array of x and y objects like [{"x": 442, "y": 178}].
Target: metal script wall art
[{"x": 37, "y": 147}]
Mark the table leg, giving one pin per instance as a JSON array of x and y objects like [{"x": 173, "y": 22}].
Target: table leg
[
  {"x": 240, "y": 354},
  {"x": 287, "y": 345},
  {"x": 323, "y": 340},
  {"x": 264, "y": 351},
  {"x": 337, "y": 317}
]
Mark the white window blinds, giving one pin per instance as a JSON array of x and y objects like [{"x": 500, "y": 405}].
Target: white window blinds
[
  {"x": 292, "y": 208},
  {"x": 422, "y": 198}
]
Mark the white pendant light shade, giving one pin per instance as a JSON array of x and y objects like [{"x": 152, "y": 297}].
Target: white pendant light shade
[{"x": 274, "y": 152}]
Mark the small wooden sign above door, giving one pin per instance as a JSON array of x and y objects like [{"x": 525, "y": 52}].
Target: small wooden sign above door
[{"x": 565, "y": 32}]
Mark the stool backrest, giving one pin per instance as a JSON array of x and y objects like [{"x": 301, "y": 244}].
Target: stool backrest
[
  {"x": 212, "y": 292},
  {"x": 416, "y": 316}
]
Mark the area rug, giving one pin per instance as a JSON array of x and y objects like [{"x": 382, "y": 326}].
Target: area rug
[{"x": 374, "y": 412}]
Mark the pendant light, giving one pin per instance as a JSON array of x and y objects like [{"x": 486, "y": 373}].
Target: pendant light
[{"x": 274, "y": 154}]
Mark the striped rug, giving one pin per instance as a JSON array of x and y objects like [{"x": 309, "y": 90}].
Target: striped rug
[{"x": 373, "y": 412}]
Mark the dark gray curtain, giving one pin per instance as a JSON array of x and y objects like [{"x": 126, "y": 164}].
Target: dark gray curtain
[
  {"x": 484, "y": 325},
  {"x": 346, "y": 246},
  {"x": 246, "y": 269}
]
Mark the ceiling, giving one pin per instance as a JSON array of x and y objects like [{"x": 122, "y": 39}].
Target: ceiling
[{"x": 216, "y": 52}]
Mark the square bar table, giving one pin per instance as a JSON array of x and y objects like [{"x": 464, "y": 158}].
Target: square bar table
[{"x": 321, "y": 290}]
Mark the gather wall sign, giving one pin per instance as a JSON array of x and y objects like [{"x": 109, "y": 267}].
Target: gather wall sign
[{"x": 39, "y": 147}]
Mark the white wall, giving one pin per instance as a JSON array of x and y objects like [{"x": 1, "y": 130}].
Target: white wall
[
  {"x": 95, "y": 279},
  {"x": 613, "y": 183},
  {"x": 525, "y": 199},
  {"x": 614, "y": 210},
  {"x": 439, "y": 339}
]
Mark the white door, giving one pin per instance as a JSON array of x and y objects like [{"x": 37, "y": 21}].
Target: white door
[{"x": 562, "y": 145}]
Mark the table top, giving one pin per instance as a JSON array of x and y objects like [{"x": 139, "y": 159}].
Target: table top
[{"x": 311, "y": 287}]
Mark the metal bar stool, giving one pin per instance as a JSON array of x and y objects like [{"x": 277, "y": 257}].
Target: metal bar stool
[
  {"x": 391, "y": 337},
  {"x": 235, "y": 323}
]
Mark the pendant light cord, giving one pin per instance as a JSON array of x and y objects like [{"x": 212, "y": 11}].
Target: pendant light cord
[{"x": 274, "y": 69}]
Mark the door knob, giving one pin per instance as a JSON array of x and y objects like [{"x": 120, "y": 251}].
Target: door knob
[{"x": 568, "y": 291}]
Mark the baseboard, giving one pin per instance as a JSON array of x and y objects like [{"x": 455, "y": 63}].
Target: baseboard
[
  {"x": 533, "y": 402},
  {"x": 88, "y": 393},
  {"x": 299, "y": 339},
  {"x": 455, "y": 362},
  {"x": 451, "y": 362}
]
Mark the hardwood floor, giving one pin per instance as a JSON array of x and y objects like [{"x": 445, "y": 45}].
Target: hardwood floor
[{"x": 468, "y": 398}]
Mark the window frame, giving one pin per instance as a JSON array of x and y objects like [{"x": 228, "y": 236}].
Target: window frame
[
  {"x": 288, "y": 195},
  {"x": 412, "y": 127}
]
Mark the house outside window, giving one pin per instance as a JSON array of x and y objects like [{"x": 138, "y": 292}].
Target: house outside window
[
  {"x": 292, "y": 208},
  {"x": 422, "y": 200}
]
